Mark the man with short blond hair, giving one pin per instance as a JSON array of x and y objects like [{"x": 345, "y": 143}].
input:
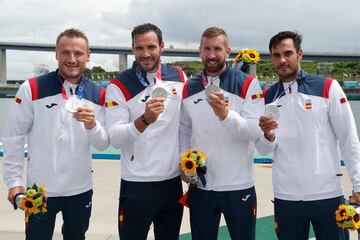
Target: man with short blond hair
[{"x": 62, "y": 116}]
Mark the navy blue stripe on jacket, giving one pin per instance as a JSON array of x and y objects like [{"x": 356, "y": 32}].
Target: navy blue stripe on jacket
[
  {"x": 308, "y": 84},
  {"x": 50, "y": 84},
  {"x": 231, "y": 80}
]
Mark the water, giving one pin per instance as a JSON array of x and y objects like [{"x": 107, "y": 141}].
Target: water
[{"x": 5, "y": 104}]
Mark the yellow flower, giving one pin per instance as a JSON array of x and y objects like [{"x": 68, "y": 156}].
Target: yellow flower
[
  {"x": 28, "y": 205},
  {"x": 254, "y": 55},
  {"x": 247, "y": 55},
  {"x": 356, "y": 221},
  {"x": 188, "y": 166},
  {"x": 342, "y": 213}
]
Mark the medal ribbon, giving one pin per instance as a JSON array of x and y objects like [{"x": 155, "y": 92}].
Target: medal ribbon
[
  {"x": 204, "y": 77},
  {"x": 276, "y": 96},
  {"x": 142, "y": 80}
]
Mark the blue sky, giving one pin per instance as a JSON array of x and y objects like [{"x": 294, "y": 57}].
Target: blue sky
[{"x": 327, "y": 25}]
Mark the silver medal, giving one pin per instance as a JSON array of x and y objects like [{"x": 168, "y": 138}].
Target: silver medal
[
  {"x": 272, "y": 111},
  {"x": 73, "y": 103},
  {"x": 159, "y": 92},
  {"x": 211, "y": 89}
]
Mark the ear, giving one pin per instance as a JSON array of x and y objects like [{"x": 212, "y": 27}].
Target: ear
[
  {"x": 56, "y": 54},
  {"x": 162, "y": 46},
  {"x": 300, "y": 54},
  {"x": 88, "y": 56},
  {"x": 228, "y": 51}
]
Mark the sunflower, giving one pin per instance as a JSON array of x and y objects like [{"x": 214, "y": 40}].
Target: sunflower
[
  {"x": 342, "y": 213},
  {"x": 28, "y": 205},
  {"x": 356, "y": 221},
  {"x": 188, "y": 166},
  {"x": 252, "y": 56}
]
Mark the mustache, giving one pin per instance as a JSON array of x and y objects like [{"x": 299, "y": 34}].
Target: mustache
[{"x": 283, "y": 65}]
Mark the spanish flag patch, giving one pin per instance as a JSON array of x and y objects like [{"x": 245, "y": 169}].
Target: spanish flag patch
[
  {"x": 111, "y": 104},
  {"x": 343, "y": 100},
  {"x": 256, "y": 96},
  {"x": 173, "y": 91},
  {"x": 17, "y": 100},
  {"x": 308, "y": 104},
  {"x": 226, "y": 100}
]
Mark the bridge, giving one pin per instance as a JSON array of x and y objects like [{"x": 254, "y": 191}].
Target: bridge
[{"x": 123, "y": 52}]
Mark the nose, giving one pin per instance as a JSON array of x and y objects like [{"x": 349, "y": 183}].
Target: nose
[
  {"x": 211, "y": 54},
  {"x": 145, "y": 54},
  {"x": 282, "y": 59},
  {"x": 72, "y": 57}
]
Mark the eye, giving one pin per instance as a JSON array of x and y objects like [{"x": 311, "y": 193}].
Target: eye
[{"x": 289, "y": 53}]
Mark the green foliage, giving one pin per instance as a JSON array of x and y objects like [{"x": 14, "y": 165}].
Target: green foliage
[{"x": 189, "y": 67}]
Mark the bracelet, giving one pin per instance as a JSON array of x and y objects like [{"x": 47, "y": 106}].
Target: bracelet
[{"x": 144, "y": 120}]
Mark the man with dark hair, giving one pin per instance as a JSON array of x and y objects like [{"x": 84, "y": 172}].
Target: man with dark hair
[
  {"x": 220, "y": 114},
  {"x": 62, "y": 116},
  {"x": 142, "y": 119},
  {"x": 316, "y": 127}
]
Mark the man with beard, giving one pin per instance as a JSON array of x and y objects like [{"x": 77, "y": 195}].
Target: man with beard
[
  {"x": 220, "y": 114},
  {"x": 143, "y": 117},
  {"x": 61, "y": 114},
  {"x": 315, "y": 122}
]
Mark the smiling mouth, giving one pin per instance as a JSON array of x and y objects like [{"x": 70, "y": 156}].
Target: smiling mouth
[{"x": 71, "y": 66}]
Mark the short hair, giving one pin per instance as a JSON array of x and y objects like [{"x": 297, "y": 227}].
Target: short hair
[
  {"x": 296, "y": 37},
  {"x": 212, "y": 32},
  {"x": 72, "y": 33},
  {"x": 144, "y": 28}
]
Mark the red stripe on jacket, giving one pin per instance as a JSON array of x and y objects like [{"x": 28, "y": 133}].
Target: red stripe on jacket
[
  {"x": 327, "y": 85},
  {"x": 246, "y": 85},
  {"x": 181, "y": 73},
  {"x": 123, "y": 89},
  {"x": 102, "y": 97},
  {"x": 34, "y": 89}
]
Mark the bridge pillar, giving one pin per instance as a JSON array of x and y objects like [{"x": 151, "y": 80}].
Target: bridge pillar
[
  {"x": 123, "y": 63},
  {"x": 2, "y": 66}
]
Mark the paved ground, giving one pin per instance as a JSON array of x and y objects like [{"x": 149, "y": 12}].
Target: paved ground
[{"x": 103, "y": 225}]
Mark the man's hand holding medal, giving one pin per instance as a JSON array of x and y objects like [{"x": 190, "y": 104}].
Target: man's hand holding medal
[
  {"x": 81, "y": 112},
  {"x": 154, "y": 106},
  {"x": 216, "y": 101},
  {"x": 268, "y": 122}
]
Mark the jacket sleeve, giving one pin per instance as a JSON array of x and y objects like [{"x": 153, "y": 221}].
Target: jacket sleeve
[
  {"x": 343, "y": 123},
  {"x": 245, "y": 125},
  {"x": 121, "y": 131},
  {"x": 19, "y": 122},
  {"x": 98, "y": 136}
]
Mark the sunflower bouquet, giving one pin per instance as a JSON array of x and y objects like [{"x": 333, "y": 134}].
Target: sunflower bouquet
[
  {"x": 347, "y": 217},
  {"x": 33, "y": 201},
  {"x": 246, "y": 60},
  {"x": 247, "y": 55},
  {"x": 192, "y": 163}
]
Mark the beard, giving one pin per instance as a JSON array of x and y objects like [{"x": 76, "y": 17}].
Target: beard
[
  {"x": 213, "y": 69},
  {"x": 288, "y": 75},
  {"x": 148, "y": 66}
]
